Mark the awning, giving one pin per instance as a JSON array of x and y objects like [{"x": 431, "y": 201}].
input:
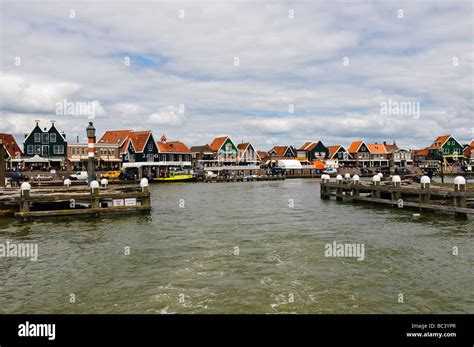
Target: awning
[
  {"x": 319, "y": 165},
  {"x": 289, "y": 164}
]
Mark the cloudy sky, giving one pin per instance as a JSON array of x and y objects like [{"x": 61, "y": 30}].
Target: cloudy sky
[{"x": 267, "y": 72}]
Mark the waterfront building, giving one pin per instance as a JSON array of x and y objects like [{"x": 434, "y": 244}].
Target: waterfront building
[
  {"x": 378, "y": 155},
  {"x": 361, "y": 153},
  {"x": 339, "y": 156},
  {"x": 45, "y": 148},
  {"x": 135, "y": 146},
  {"x": 282, "y": 152},
  {"x": 202, "y": 156},
  {"x": 469, "y": 153},
  {"x": 172, "y": 156},
  {"x": 225, "y": 151},
  {"x": 447, "y": 148},
  {"x": 311, "y": 152},
  {"x": 107, "y": 157},
  {"x": 248, "y": 155},
  {"x": 12, "y": 152}
]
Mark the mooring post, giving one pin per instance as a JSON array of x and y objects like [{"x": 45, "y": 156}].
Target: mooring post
[
  {"x": 324, "y": 188},
  {"x": 94, "y": 189},
  {"x": 2, "y": 165},
  {"x": 425, "y": 197},
  {"x": 67, "y": 183},
  {"x": 460, "y": 197},
  {"x": 396, "y": 183},
  {"x": 104, "y": 183},
  {"x": 376, "y": 186},
  {"x": 355, "y": 185},
  {"x": 146, "y": 201},
  {"x": 25, "y": 197},
  {"x": 339, "y": 189},
  {"x": 347, "y": 177}
]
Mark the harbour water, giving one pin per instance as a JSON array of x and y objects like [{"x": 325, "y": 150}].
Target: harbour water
[{"x": 252, "y": 247}]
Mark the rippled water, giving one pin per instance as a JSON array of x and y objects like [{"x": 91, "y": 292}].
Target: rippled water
[{"x": 182, "y": 259}]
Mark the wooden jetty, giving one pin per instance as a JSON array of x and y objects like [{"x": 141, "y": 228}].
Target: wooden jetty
[
  {"x": 26, "y": 203},
  {"x": 424, "y": 196}
]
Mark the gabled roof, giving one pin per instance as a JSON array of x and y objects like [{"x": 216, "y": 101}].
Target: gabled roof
[
  {"x": 139, "y": 139},
  {"x": 306, "y": 145},
  {"x": 377, "y": 148},
  {"x": 333, "y": 150},
  {"x": 440, "y": 141},
  {"x": 201, "y": 149},
  {"x": 424, "y": 151},
  {"x": 280, "y": 150},
  {"x": 218, "y": 142},
  {"x": 57, "y": 130},
  {"x": 10, "y": 145},
  {"x": 354, "y": 147},
  {"x": 243, "y": 146},
  {"x": 117, "y": 137},
  {"x": 262, "y": 154},
  {"x": 173, "y": 147},
  {"x": 391, "y": 148}
]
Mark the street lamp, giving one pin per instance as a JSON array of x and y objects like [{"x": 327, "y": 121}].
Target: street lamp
[{"x": 91, "y": 151}]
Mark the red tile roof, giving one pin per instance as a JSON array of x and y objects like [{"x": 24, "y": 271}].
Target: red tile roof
[
  {"x": 10, "y": 145},
  {"x": 218, "y": 142},
  {"x": 117, "y": 137},
  {"x": 354, "y": 147},
  {"x": 173, "y": 147},
  {"x": 307, "y": 146},
  {"x": 263, "y": 155},
  {"x": 139, "y": 139},
  {"x": 424, "y": 151},
  {"x": 243, "y": 146},
  {"x": 440, "y": 140},
  {"x": 377, "y": 148},
  {"x": 279, "y": 150},
  {"x": 333, "y": 150}
]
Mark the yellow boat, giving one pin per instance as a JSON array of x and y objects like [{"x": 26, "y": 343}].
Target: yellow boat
[{"x": 175, "y": 178}]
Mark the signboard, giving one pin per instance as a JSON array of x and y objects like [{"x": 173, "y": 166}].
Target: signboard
[
  {"x": 131, "y": 202},
  {"x": 118, "y": 202}
]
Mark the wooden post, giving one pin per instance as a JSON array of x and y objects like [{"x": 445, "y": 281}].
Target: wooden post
[
  {"x": 355, "y": 185},
  {"x": 460, "y": 200},
  {"x": 94, "y": 187},
  {"x": 324, "y": 188},
  {"x": 145, "y": 189},
  {"x": 2, "y": 165},
  {"x": 376, "y": 188},
  {"x": 425, "y": 185},
  {"x": 396, "y": 182},
  {"x": 339, "y": 189}
]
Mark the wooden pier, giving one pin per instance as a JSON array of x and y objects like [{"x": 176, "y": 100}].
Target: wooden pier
[
  {"x": 424, "y": 196},
  {"x": 96, "y": 200}
]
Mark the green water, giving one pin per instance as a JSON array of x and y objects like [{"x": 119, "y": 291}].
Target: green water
[{"x": 183, "y": 259}]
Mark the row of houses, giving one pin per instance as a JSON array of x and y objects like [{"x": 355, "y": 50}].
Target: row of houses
[{"x": 47, "y": 148}]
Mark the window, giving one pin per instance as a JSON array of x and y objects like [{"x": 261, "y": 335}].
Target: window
[
  {"x": 37, "y": 137},
  {"x": 29, "y": 149},
  {"x": 45, "y": 138},
  {"x": 446, "y": 150},
  {"x": 150, "y": 146},
  {"x": 38, "y": 149},
  {"x": 58, "y": 149},
  {"x": 52, "y": 137},
  {"x": 456, "y": 151}
]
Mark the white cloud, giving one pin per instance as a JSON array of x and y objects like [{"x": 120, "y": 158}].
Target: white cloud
[{"x": 167, "y": 116}]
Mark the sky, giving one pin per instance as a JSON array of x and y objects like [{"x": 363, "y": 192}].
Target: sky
[{"x": 268, "y": 72}]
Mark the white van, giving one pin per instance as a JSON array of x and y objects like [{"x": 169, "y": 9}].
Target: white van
[{"x": 80, "y": 175}]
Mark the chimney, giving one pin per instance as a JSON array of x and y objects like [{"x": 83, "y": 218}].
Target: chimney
[
  {"x": 385, "y": 142},
  {"x": 64, "y": 135}
]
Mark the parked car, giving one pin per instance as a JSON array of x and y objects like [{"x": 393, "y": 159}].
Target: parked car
[
  {"x": 43, "y": 177},
  {"x": 111, "y": 175},
  {"x": 125, "y": 176},
  {"x": 330, "y": 171},
  {"x": 80, "y": 175},
  {"x": 211, "y": 174},
  {"x": 384, "y": 170},
  {"x": 16, "y": 176},
  {"x": 402, "y": 171},
  {"x": 277, "y": 171}
]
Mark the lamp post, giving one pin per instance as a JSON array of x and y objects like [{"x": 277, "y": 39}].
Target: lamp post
[
  {"x": 2, "y": 165},
  {"x": 91, "y": 154}
]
